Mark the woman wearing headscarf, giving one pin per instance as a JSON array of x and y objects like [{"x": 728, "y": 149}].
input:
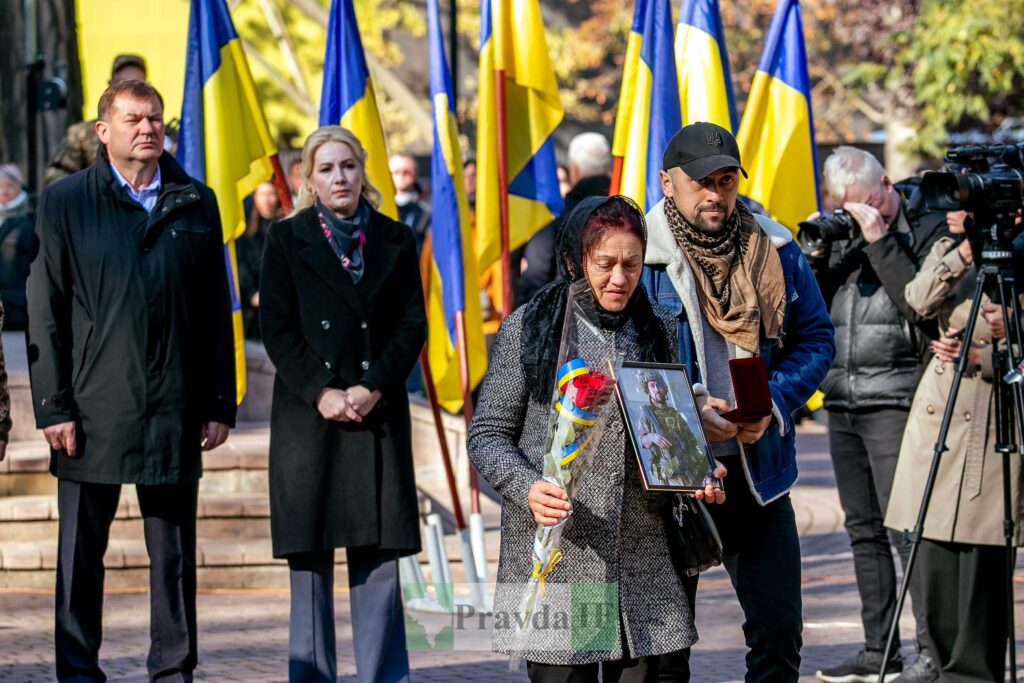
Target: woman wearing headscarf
[
  {"x": 617, "y": 536},
  {"x": 342, "y": 316}
]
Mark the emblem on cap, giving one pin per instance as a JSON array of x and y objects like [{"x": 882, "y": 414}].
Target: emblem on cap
[{"x": 713, "y": 137}]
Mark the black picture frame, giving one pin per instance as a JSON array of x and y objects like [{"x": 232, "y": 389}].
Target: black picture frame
[{"x": 686, "y": 466}]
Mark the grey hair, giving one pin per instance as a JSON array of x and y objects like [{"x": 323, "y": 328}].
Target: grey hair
[
  {"x": 591, "y": 154},
  {"x": 848, "y": 166}
]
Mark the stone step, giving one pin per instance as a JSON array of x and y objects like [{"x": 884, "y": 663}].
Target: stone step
[
  {"x": 238, "y": 466},
  {"x": 221, "y": 563},
  {"x": 34, "y": 518}
]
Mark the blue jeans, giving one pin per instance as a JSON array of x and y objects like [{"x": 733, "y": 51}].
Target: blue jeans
[{"x": 762, "y": 556}]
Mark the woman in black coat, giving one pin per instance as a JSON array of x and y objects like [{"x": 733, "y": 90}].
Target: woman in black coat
[{"x": 343, "y": 320}]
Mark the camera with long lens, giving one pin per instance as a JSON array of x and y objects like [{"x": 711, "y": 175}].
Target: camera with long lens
[
  {"x": 821, "y": 231},
  {"x": 992, "y": 189}
]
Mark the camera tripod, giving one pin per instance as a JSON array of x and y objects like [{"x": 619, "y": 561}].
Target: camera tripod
[{"x": 995, "y": 278}]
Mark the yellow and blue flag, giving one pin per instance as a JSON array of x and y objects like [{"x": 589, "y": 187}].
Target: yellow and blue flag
[
  {"x": 649, "y": 108},
  {"x": 348, "y": 98},
  {"x": 512, "y": 41},
  {"x": 452, "y": 289},
  {"x": 776, "y": 136},
  {"x": 224, "y": 141},
  {"x": 702, "y": 62}
]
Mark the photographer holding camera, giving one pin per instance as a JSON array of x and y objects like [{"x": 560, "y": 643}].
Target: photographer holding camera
[
  {"x": 961, "y": 572},
  {"x": 863, "y": 256}
]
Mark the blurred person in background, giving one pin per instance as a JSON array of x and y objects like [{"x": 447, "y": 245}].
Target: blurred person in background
[
  {"x": 564, "y": 181},
  {"x": 17, "y": 245},
  {"x": 412, "y": 209},
  {"x": 589, "y": 173},
  {"x": 78, "y": 148},
  {"x": 266, "y": 208}
]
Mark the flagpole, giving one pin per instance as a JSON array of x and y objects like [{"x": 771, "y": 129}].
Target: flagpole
[
  {"x": 613, "y": 189},
  {"x": 467, "y": 403},
  {"x": 284, "y": 194},
  {"x": 506, "y": 260},
  {"x": 446, "y": 458}
]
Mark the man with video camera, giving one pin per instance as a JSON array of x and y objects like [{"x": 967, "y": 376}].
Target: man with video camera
[{"x": 863, "y": 256}]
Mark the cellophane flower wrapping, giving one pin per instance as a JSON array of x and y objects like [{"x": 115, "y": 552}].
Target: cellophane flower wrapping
[{"x": 581, "y": 401}]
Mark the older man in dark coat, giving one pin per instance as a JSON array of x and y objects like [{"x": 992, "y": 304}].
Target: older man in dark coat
[{"x": 130, "y": 355}]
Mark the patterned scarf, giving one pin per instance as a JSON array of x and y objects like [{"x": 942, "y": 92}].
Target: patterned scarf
[
  {"x": 346, "y": 236},
  {"x": 739, "y": 278}
]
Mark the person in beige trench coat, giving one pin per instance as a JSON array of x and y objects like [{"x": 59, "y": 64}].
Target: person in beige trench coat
[{"x": 961, "y": 567}]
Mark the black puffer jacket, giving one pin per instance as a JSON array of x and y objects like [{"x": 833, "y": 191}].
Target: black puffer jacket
[{"x": 880, "y": 340}]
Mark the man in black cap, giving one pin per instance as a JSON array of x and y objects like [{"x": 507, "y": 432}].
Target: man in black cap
[
  {"x": 739, "y": 286},
  {"x": 78, "y": 148}
]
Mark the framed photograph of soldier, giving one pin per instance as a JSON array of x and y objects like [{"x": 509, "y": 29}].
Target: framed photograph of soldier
[{"x": 664, "y": 427}]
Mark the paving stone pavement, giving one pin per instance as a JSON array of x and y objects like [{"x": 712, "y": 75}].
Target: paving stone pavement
[{"x": 243, "y": 634}]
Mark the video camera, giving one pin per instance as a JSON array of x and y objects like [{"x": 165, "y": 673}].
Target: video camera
[{"x": 992, "y": 189}]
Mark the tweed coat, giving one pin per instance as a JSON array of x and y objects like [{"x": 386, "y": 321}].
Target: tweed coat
[
  {"x": 341, "y": 484},
  {"x": 616, "y": 533},
  {"x": 967, "y": 502}
]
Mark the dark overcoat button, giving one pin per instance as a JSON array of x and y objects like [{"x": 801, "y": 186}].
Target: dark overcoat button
[{"x": 326, "y": 324}]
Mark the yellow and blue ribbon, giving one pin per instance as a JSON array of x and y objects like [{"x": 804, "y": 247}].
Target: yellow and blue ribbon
[
  {"x": 570, "y": 452},
  {"x": 575, "y": 414},
  {"x": 541, "y": 570},
  {"x": 570, "y": 371}
]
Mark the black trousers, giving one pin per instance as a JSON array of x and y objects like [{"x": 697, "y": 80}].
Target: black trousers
[
  {"x": 964, "y": 593},
  {"x": 762, "y": 556},
  {"x": 625, "y": 670},
  {"x": 865, "y": 447},
  {"x": 169, "y": 520}
]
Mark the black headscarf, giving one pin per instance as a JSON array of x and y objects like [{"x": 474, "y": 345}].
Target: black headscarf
[{"x": 545, "y": 313}]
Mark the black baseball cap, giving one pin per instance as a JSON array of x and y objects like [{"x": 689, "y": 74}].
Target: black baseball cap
[
  {"x": 702, "y": 148},
  {"x": 124, "y": 60}
]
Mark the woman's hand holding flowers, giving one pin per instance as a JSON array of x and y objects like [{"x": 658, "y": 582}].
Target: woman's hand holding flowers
[{"x": 548, "y": 503}]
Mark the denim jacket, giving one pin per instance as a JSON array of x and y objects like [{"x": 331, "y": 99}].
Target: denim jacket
[{"x": 796, "y": 363}]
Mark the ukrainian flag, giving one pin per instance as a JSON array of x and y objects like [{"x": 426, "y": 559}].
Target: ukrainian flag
[
  {"x": 649, "y": 107},
  {"x": 512, "y": 40},
  {"x": 776, "y": 136},
  {"x": 705, "y": 85},
  {"x": 452, "y": 289},
  {"x": 348, "y": 98},
  {"x": 224, "y": 140}
]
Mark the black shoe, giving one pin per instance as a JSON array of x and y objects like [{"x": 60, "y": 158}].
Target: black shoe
[
  {"x": 923, "y": 670},
  {"x": 862, "y": 668}
]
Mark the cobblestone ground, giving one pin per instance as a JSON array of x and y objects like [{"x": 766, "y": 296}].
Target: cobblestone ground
[{"x": 243, "y": 634}]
